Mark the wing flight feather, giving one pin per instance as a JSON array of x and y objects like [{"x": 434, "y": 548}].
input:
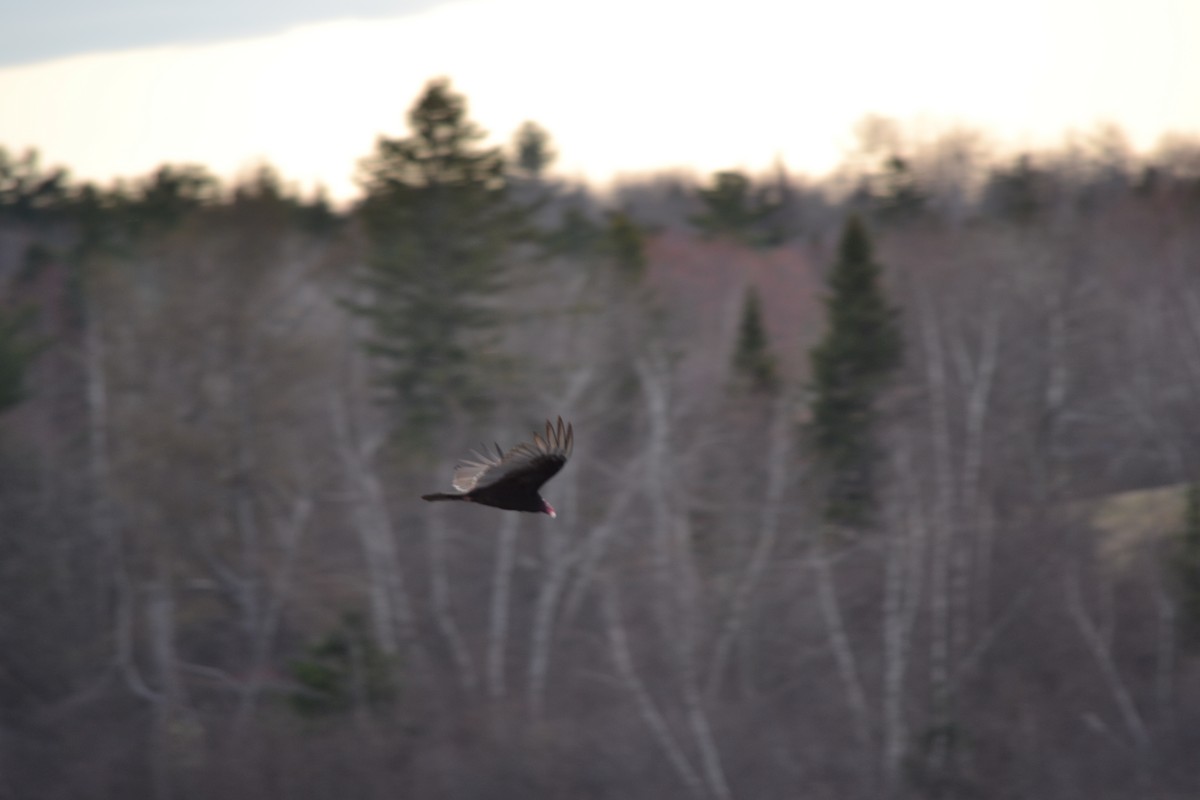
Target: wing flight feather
[{"x": 530, "y": 463}]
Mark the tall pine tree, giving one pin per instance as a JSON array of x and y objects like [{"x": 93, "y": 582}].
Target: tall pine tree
[
  {"x": 441, "y": 225},
  {"x": 753, "y": 363},
  {"x": 16, "y": 354},
  {"x": 861, "y": 346},
  {"x": 732, "y": 209},
  {"x": 625, "y": 242},
  {"x": 534, "y": 152}
]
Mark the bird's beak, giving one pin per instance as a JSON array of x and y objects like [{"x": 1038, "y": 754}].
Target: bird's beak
[{"x": 550, "y": 511}]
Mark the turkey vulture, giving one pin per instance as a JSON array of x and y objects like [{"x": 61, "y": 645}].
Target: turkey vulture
[{"x": 511, "y": 480}]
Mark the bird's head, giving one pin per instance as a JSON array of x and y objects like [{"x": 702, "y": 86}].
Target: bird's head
[{"x": 548, "y": 509}]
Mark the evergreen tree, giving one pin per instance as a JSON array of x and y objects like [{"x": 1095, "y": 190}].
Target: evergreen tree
[
  {"x": 730, "y": 209},
  {"x": 861, "y": 346},
  {"x": 576, "y": 233},
  {"x": 753, "y": 363},
  {"x": 170, "y": 195},
  {"x": 344, "y": 667},
  {"x": 778, "y": 204},
  {"x": 16, "y": 353},
  {"x": 903, "y": 199},
  {"x": 533, "y": 149},
  {"x": 26, "y": 190},
  {"x": 626, "y": 242},
  {"x": 1018, "y": 194},
  {"x": 441, "y": 226}
]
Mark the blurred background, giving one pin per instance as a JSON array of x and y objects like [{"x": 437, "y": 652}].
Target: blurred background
[{"x": 878, "y": 325}]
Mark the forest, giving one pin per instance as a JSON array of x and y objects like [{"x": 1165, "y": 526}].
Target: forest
[{"x": 885, "y": 484}]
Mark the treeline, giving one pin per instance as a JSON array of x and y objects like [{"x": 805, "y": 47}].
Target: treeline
[{"x": 879, "y": 487}]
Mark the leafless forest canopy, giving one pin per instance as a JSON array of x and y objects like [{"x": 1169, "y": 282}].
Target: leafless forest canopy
[{"x": 217, "y": 579}]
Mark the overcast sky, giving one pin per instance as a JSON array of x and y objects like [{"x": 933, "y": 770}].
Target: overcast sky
[
  {"x": 118, "y": 88},
  {"x": 45, "y": 29}
]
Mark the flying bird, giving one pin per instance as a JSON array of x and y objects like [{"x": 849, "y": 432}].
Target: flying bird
[{"x": 511, "y": 480}]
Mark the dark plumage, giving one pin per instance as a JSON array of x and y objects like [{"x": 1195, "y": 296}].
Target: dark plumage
[{"x": 511, "y": 480}]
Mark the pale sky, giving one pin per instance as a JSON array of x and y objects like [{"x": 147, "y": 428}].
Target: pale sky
[{"x": 623, "y": 86}]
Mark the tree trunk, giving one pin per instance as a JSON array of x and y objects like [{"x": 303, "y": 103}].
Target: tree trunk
[
  {"x": 506, "y": 549},
  {"x": 391, "y": 610},
  {"x": 764, "y": 545}
]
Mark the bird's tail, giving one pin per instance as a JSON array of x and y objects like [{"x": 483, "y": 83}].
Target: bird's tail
[{"x": 442, "y": 496}]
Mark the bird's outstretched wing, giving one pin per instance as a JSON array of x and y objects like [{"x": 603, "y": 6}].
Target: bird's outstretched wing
[
  {"x": 529, "y": 463},
  {"x": 468, "y": 472}
]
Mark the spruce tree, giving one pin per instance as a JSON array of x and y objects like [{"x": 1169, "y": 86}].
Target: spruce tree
[
  {"x": 575, "y": 235},
  {"x": 441, "y": 226},
  {"x": 731, "y": 210},
  {"x": 16, "y": 354},
  {"x": 534, "y": 153},
  {"x": 625, "y": 242},
  {"x": 903, "y": 199},
  {"x": 849, "y": 365},
  {"x": 753, "y": 363},
  {"x": 1018, "y": 194}
]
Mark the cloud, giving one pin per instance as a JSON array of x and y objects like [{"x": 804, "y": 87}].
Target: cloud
[{"x": 49, "y": 29}]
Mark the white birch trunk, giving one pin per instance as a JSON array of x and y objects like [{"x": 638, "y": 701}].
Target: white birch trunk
[
  {"x": 291, "y": 535},
  {"x": 653, "y": 718},
  {"x": 1165, "y": 657},
  {"x": 560, "y": 557},
  {"x": 972, "y": 562},
  {"x": 941, "y": 541},
  {"x": 506, "y": 549},
  {"x": 169, "y": 702},
  {"x": 768, "y": 532},
  {"x": 439, "y": 589},
  {"x": 1094, "y": 639},
  {"x": 843, "y": 652},
  {"x": 903, "y": 591},
  {"x": 105, "y": 525},
  {"x": 391, "y": 611}
]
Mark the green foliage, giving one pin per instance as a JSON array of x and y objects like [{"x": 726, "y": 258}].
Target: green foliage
[
  {"x": 16, "y": 353},
  {"x": 533, "y": 149},
  {"x": 731, "y": 209},
  {"x": 441, "y": 226},
  {"x": 903, "y": 199},
  {"x": 342, "y": 669},
  {"x": 575, "y": 235},
  {"x": 110, "y": 222},
  {"x": 861, "y": 346},
  {"x": 618, "y": 241},
  {"x": 1187, "y": 567},
  {"x": 934, "y": 764},
  {"x": 316, "y": 217},
  {"x": 626, "y": 242},
  {"x": 170, "y": 194},
  {"x": 38, "y": 256},
  {"x": 26, "y": 190},
  {"x": 263, "y": 199},
  {"x": 101, "y": 217},
  {"x": 1019, "y": 193},
  {"x": 753, "y": 363}
]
